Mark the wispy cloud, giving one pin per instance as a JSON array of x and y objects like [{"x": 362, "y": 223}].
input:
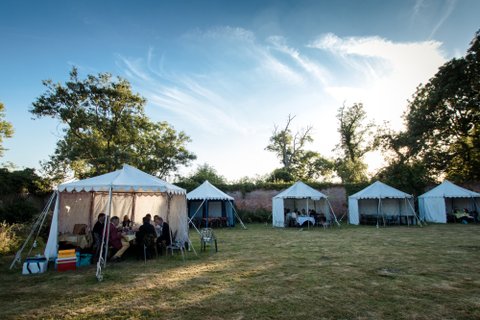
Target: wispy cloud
[
  {"x": 235, "y": 87},
  {"x": 446, "y": 12}
]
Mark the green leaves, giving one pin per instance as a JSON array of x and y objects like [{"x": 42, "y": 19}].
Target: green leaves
[
  {"x": 6, "y": 128},
  {"x": 105, "y": 126}
]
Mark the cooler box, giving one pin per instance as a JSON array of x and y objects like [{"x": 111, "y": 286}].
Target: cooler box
[
  {"x": 35, "y": 265},
  {"x": 85, "y": 260},
  {"x": 67, "y": 260}
]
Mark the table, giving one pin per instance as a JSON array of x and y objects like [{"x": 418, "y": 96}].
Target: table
[
  {"x": 128, "y": 237},
  {"x": 302, "y": 220},
  {"x": 83, "y": 241}
]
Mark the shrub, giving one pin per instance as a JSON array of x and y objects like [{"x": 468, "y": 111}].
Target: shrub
[
  {"x": 9, "y": 240},
  {"x": 18, "y": 211},
  {"x": 259, "y": 215}
]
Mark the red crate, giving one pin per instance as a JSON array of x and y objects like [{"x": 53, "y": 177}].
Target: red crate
[{"x": 71, "y": 265}]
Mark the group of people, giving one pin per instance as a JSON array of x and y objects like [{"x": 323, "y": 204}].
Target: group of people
[
  {"x": 150, "y": 234},
  {"x": 291, "y": 217},
  {"x": 465, "y": 216}
]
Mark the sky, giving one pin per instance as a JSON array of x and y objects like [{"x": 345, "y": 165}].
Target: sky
[{"x": 226, "y": 72}]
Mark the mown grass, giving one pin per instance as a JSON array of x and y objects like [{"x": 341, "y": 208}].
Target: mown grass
[{"x": 264, "y": 273}]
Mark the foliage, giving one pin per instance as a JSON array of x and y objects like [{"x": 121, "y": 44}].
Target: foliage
[
  {"x": 355, "y": 142},
  {"x": 106, "y": 126},
  {"x": 11, "y": 236},
  {"x": 6, "y": 128},
  {"x": 257, "y": 216},
  {"x": 443, "y": 120},
  {"x": 18, "y": 211},
  {"x": 298, "y": 163},
  {"x": 202, "y": 173},
  {"x": 410, "y": 177},
  {"x": 22, "y": 182}
]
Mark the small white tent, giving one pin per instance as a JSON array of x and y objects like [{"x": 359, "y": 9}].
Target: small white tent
[
  {"x": 127, "y": 191},
  {"x": 444, "y": 198},
  {"x": 381, "y": 202},
  {"x": 300, "y": 196},
  {"x": 207, "y": 201}
]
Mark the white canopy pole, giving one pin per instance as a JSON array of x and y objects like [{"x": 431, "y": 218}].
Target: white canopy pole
[{"x": 102, "y": 262}]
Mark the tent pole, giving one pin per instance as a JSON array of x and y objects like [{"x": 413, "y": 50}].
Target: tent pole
[
  {"x": 332, "y": 213},
  {"x": 415, "y": 214},
  {"x": 236, "y": 215},
  {"x": 378, "y": 211},
  {"x": 134, "y": 203},
  {"x": 198, "y": 209},
  {"x": 37, "y": 224},
  {"x": 102, "y": 261}
]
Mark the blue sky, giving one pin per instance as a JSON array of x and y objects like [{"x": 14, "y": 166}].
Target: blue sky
[{"x": 226, "y": 71}]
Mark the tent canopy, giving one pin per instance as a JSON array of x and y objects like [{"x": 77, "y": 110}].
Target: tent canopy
[
  {"x": 379, "y": 199},
  {"x": 134, "y": 193},
  {"x": 434, "y": 204},
  {"x": 380, "y": 190},
  {"x": 300, "y": 190},
  {"x": 127, "y": 179},
  {"x": 207, "y": 191},
  {"x": 308, "y": 197},
  {"x": 449, "y": 190}
]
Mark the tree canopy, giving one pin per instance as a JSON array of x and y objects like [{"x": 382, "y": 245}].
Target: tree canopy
[
  {"x": 105, "y": 126},
  {"x": 298, "y": 162},
  {"x": 355, "y": 141},
  {"x": 443, "y": 120},
  {"x": 202, "y": 173},
  {"x": 6, "y": 128}
]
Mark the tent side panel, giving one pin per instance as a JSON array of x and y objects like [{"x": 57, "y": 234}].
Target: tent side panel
[
  {"x": 214, "y": 209},
  {"x": 353, "y": 216},
  {"x": 278, "y": 218},
  {"x": 435, "y": 210},
  {"x": 74, "y": 209},
  {"x": 52, "y": 242},
  {"x": 178, "y": 219}
]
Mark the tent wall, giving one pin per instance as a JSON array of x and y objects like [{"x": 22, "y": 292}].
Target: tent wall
[
  {"x": 278, "y": 214},
  {"x": 459, "y": 203},
  {"x": 229, "y": 212},
  {"x": 433, "y": 209},
  {"x": 216, "y": 209},
  {"x": 353, "y": 216},
  {"x": 177, "y": 217}
]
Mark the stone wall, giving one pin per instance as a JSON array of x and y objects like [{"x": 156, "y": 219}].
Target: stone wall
[{"x": 262, "y": 199}]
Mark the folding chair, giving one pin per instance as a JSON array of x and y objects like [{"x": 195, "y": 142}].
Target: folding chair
[
  {"x": 176, "y": 245},
  {"x": 207, "y": 237}
]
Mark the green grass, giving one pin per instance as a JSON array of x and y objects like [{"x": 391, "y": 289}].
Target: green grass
[{"x": 264, "y": 273}]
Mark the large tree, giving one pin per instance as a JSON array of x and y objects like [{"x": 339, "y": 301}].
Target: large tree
[
  {"x": 443, "y": 120},
  {"x": 105, "y": 126},
  {"x": 6, "y": 128},
  {"x": 356, "y": 139},
  {"x": 202, "y": 173},
  {"x": 297, "y": 161}
]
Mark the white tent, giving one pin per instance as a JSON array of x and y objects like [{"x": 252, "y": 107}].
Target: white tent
[
  {"x": 444, "y": 198},
  {"x": 207, "y": 201},
  {"x": 299, "y": 196},
  {"x": 127, "y": 191},
  {"x": 381, "y": 202}
]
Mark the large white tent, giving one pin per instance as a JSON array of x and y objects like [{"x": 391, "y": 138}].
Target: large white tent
[
  {"x": 444, "y": 198},
  {"x": 382, "y": 202},
  {"x": 127, "y": 191},
  {"x": 207, "y": 201},
  {"x": 299, "y": 196}
]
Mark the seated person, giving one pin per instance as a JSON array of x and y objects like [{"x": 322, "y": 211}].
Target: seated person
[
  {"x": 97, "y": 234},
  {"x": 126, "y": 223},
  {"x": 116, "y": 240},
  {"x": 464, "y": 216},
  {"x": 293, "y": 220},
  {"x": 164, "y": 239},
  {"x": 288, "y": 217},
  {"x": 304, "y": 213},
  {"x": 145, "y": 236}
]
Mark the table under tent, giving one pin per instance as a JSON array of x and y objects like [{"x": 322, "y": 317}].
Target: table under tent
[
  {"x": 208, "y": 206},
  {"x": 127, "y": 191},
  {"x": 436, "y": 204},
  {"x": 381, "y": 204},
  {"x": 297, "y": 197}
]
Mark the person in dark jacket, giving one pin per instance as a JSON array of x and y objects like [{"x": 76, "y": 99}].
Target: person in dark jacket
[
  {"x": 97, "y": 234},
  {"x": 164, "y": 239},
  {"x": 145, "y": 236}
]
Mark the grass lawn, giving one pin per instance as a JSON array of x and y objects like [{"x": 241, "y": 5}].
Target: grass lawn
[{"x": 264, "y": 273}]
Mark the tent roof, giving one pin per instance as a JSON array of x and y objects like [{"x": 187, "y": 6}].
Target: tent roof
[
  {"x": 300, "y": 190},
  {"x": 380, "y": 190},
  {"x": 449, "y": 190},
  {"x": 207, "y": 191},
  {"x": 127, "y": 179}
]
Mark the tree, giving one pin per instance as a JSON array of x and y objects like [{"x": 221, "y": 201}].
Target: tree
[
  {"x": 298, "y": 163},
  {"x": 6, "y": 128},
  {"x": 105, "y": 126},
  {"x": 205, "y": 172},
  {"x": 355, "y": 142},
  {"x": 443, "y": 120}
]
